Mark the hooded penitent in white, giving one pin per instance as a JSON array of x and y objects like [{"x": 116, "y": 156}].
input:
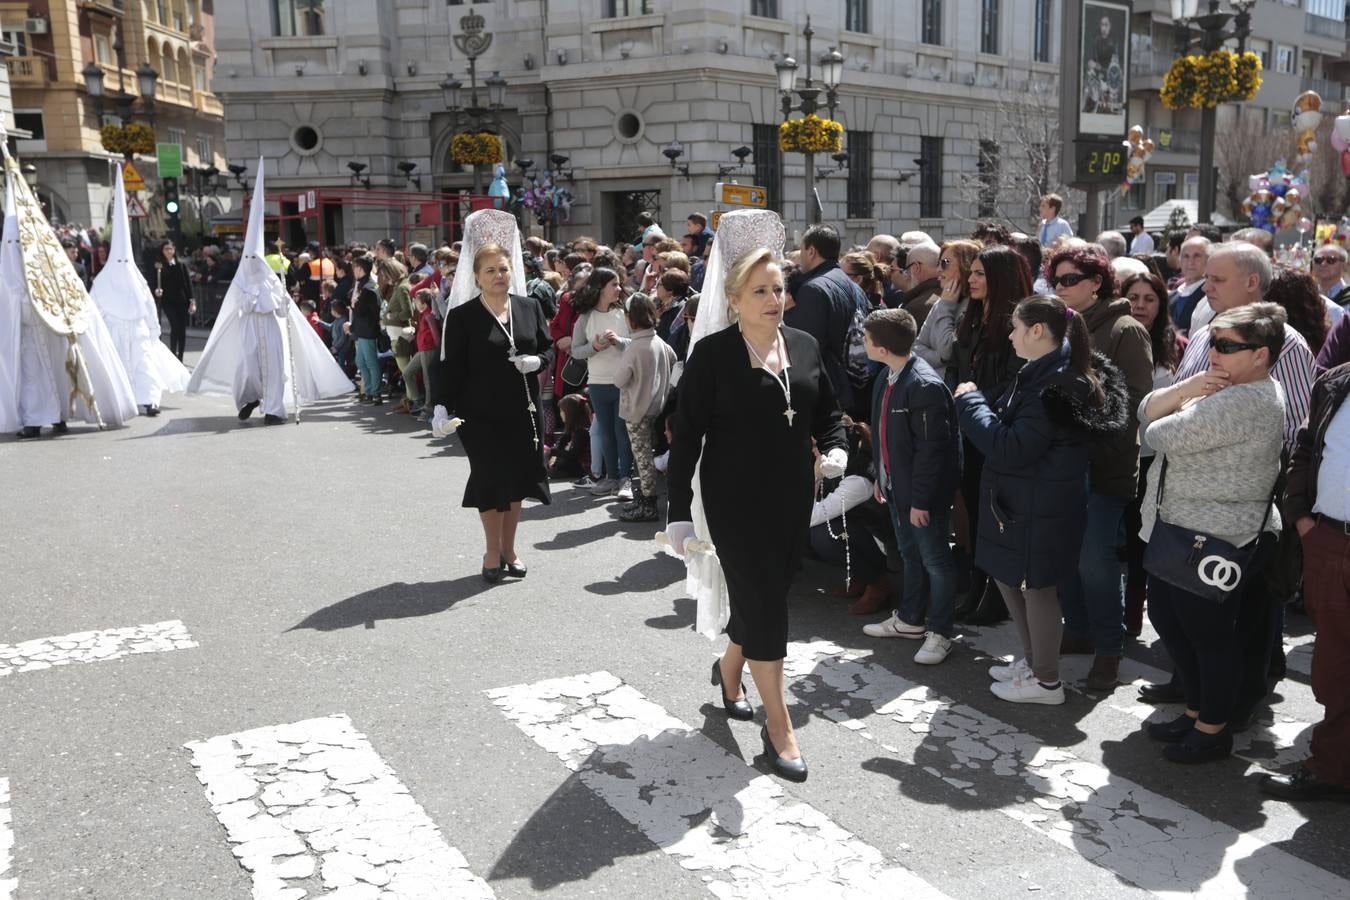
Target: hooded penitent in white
[
  {"x": 129, "y": 310},
  {"x": 57, "y": 361},
  {"x": 261, "y": 348}
]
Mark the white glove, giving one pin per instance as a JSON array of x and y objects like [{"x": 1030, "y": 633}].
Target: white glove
[
  {"x": 678, "y": 534},
  {"x": 833, "y": 464},
  {"x": 526, "y": 364},
  {"x": 441, "y": 423}
]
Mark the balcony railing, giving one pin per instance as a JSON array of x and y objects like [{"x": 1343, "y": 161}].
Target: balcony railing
[
  {"x": 1321, "y": 25},
  {"x": 26, "y": 70},
  {"x": 1327, "y": 89}
]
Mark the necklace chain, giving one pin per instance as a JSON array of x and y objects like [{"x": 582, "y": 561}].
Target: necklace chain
[{"x": 784, "y": 382}]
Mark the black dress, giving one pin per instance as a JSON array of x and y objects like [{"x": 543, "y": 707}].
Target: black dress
[
  {"x": 758, "y": 475},
  {"x": 176, "y": 283},
  {"x": 479, "y": 384}
]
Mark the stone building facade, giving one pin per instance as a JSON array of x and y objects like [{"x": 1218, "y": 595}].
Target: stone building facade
[
  {"x": 49, "y": 42},
  {"x": 313, "y": 85}
]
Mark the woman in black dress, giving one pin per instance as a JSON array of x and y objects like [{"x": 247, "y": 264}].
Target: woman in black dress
[
  {"x": 171, "y": 283},
  {"x": 492, "y": 346},
  {"x": 752, "y": 397}
]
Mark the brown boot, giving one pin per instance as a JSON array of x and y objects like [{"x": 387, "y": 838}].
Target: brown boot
[
  {"x": 402, "y": 407},
  {"x": 873, "y": 599},
  {"x": 1102, "y": 675}
]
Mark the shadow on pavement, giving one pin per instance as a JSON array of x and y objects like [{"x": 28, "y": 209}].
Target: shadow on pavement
[
  {"x": 683, "y": 616},
  {"x": 649, "y": 575},
  {"x": 399, "y": 600}
]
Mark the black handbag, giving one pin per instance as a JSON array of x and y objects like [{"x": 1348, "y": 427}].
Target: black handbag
[
  {"x": 574, "y": 372},
  {"x": 1196, "y": 562}
]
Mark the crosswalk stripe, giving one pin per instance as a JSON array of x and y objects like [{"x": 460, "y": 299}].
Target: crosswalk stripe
[
  {"x": 1141, "y": 837},
  {"x": 93, "y": 646},
  {"x": 707, "y": 809},
  {"x": 313, "y": 801},
  {"x": 1282, "y": 743},
  {"x": 9, "y": 881}
]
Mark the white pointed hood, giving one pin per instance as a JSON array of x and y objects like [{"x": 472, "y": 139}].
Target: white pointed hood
[
  {"x": 253, "y": 235},
  {"x": 120, "y": 290}
]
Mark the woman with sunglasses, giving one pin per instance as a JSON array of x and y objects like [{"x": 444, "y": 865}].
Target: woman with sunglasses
[
  {"x": 1148, "y": 305},
  {"x": 1094, "y": 600},
  {"x": 997, "y": 279},
  {"x": 1227, "y": 422}
]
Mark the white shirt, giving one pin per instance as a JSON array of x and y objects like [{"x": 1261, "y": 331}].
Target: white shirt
[
  {"x": 1202, "y": 316},
  {"x": 853, "y": 491},
  {"x": 1142, "y": 243},
  {"x": 1333, "y": 477},
  {"x": 1334, "y": 310}
]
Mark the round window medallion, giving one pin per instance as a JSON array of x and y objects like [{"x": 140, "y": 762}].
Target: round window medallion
[
  {"x": 306, "y": 140},
  {"x": 628, "y": 126}
]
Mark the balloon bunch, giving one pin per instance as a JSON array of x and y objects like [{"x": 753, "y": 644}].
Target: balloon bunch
[
  {"x": 548, "y": 202},
  {"x": 1306, "y": 117},
  {"x": 1140, "y": 149},
  {"x": 1340, "y": 140},
  {"x": 1276, "y": 199}
]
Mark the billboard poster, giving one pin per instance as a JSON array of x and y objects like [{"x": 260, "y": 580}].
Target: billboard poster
[{"x": 1105, "y": 65}]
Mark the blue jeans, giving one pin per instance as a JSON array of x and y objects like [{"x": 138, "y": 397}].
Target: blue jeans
[
  {"x": 925, "y": 550},
  {"x": 614, "y": 446},
  {"x": 368, "y": 364},
  {"x": 1093, "y": 599}
]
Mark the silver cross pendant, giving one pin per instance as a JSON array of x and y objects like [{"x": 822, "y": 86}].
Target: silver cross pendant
[{"x": 789, "y": 414}]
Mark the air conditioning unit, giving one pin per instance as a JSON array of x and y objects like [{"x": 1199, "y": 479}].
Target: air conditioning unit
[{"x": 35, "y": 26}]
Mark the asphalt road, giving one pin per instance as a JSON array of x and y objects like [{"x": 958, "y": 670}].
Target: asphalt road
[{"x": 327, "y": 570}]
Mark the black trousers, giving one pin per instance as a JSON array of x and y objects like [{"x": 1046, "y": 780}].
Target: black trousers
[
  {"x": 1205, "y": 641},
  {"x": 177, "y": 314}
]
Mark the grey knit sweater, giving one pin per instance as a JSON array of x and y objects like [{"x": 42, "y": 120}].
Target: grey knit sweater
[{"x": 1223, "y": 456}]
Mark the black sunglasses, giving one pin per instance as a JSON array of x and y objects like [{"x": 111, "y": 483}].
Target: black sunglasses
[
  {"x": 1327, "y": 260},
  {"x": 1225, "y": 346},
  {"x": 1069, "y": 280}
]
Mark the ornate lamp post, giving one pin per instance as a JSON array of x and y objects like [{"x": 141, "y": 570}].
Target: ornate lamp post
[
  {"x": 832, "y": 71},
  {"x": 1212, "y": 34},
  {"x": 473, "y": 42}
]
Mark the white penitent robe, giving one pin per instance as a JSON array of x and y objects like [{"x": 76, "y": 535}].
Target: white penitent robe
[
  {"x": 260, "y": 375},
  {"x": 42, "y": 374}
]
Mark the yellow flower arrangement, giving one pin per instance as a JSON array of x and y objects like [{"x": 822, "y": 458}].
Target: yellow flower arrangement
[
  {"x": 1221, "y": 76},
  {"x": 810, "y": 134},
  {"x": 481, "y": 149},
  {"x": 127, "y": 139}
]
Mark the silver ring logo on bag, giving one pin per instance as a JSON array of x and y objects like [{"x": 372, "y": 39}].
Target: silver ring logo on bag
[{"x": 1220, "y": 573}]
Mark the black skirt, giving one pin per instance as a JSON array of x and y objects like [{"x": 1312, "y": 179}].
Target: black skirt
[{"x": 504, "y": 466}]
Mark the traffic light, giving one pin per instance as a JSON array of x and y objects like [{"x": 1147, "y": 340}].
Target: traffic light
[{"x": 171, "y": 205}]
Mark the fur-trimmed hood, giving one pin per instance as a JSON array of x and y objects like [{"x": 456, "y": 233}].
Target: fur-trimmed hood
[{"x": 1068, "y": 400}]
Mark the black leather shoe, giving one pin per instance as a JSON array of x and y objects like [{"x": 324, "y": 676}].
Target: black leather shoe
[
  {"x": 1170, "y": 692},
  {"x": 492, "y": 576},
  {"x": 1303, "y": 785},
  {"x": 151, "y": 410},
  {"x": 736, "y": 709},
  {"x": 60, "y": 428},
  {"x": 515, "y": 569},
  {"x": 28, "y": 431},
  {"x": 247, "y": 410},
  {"x": 1199, "y": 747},
  {"x": 789, "y": 769},
  {"x": 270, "y": 419},
  {"x": 1171, "y": 732}
]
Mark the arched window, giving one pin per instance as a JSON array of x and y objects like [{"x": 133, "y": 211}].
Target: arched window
[
  {"x": 169, "y": 72},
  {"x": 152, "y": 56},
  {"x": 184, "y": 68}
]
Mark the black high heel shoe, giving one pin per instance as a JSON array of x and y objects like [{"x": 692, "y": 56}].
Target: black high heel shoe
[
  {"x": 790, "y": 769},
  {"x": 515, "y": 569},
  {"x": 737, "y": 709},
  {"x": 492, "y": 576}
]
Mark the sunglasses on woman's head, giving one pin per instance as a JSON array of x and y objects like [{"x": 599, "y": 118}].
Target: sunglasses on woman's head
[
  {"x": 1226, "y": 346},
  {"x": 1069, "y": 279}
]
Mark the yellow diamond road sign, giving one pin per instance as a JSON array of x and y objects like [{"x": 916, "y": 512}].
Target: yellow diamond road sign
[
  {"x": 131, "y": 179},
  {"x": 741, "y": 195}
]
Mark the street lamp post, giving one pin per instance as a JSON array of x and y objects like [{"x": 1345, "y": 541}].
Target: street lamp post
[
  {"x": 473, "y": 42},
  {"x": 832, "y": 70},
  {"x": 1212, "y": 34},
  {"x": 200, "y": 176}
]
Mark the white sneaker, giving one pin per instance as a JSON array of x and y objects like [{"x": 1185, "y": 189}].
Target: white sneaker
[
  {"x": 626, "y": 489},
  {"x": 1028, "y": 690},
  {"x": 934, "y": 650},
  {"x": 895, "y": 627},
  {"x": 605, "y": 486},
  {"x": 1018, "y": 668}
]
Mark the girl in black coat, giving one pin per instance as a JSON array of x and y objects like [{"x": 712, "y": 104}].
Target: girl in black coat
[
  {"x": 171, "y": 283},
  {"x": 1036, "y": 444}
]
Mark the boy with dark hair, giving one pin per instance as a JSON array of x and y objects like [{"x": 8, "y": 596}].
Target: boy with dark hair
[{"x": 917, "y": 448}]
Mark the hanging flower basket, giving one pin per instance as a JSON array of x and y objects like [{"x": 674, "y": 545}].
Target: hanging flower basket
[
  {"x": 481, "y": 149},
  {"x": 1221, "y": 76},
  {"x": 810, "y": 134},
  {"x": 128, "y": 139}
]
